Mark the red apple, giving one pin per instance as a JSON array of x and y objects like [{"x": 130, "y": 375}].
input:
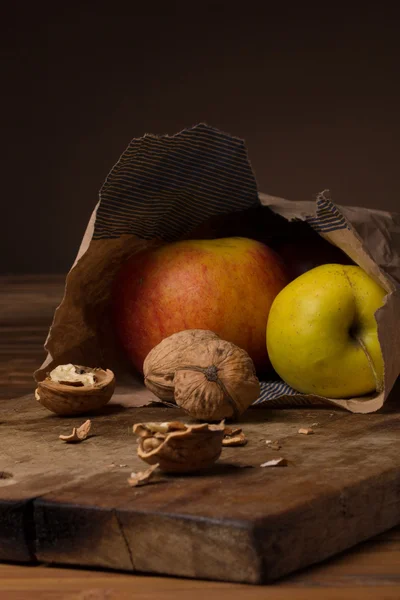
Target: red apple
[{"x": 224, "y": 285}]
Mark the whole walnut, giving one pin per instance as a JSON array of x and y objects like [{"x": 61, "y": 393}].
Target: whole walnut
[
  {"x": 177, "y": 350},
  {"x": 218, "y": 382}
]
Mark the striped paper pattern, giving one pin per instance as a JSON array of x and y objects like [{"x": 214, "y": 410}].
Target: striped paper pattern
[
  {"x": 327, "y": 217},
  {"x": 163, "y": 187},
  {"x": 270, "y": 390}
]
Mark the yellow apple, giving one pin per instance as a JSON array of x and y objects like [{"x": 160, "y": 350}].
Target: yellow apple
[{"x": 322, "y": 334}]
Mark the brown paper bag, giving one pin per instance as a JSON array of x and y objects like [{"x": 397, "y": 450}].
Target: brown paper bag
[{"x": 199, "y": 183}]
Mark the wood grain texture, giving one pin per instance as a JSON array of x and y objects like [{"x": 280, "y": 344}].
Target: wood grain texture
[
  {"x": 27, "y": 305},
  {"x": 251, "y": 524},
  {"x": 369, "y": 571}
]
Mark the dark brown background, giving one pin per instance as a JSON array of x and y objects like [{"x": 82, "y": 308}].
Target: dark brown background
[{"x": 315, "y": 95}]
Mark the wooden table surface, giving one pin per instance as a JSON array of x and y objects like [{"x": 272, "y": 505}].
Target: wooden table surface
[{"x": 371, "y": 570}]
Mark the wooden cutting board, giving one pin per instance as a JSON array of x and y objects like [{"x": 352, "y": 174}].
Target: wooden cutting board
[{"x": 71, "y": 504}]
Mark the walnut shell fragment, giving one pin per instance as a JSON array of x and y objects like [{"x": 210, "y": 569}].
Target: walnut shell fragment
[
  {"x": 142, "y": 477},
  {"x": 73, "y": 389},
  {"x": 239, "y": 439},
  {"x": 229, "y": 431},
  {"x": 177, "y": 350},
  {"x": 179, "y": 448},
  {"x": 306, "y": 431},
  {"x": 234, "y": 436},
  {"x": 78, "y": 433},
  {"x": 275, "y": 462},
  {"x": 219, "y": 383}
]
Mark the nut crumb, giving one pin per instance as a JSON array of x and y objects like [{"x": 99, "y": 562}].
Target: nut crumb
[
  {"x": 78, "y": 433},
  {"x": 273, "y": 444},
  {"x": 73, "y": 375},
  {"x": 123, "y": 466},
  {"x": 238, "y": 439},
  {"x": 275, "y": 462},
  {"x": 176, "y": 425},
  {"x": 306, "y": 430},
  {"x": 142, "y": 477},
  {"x": 314, "y": 424}
]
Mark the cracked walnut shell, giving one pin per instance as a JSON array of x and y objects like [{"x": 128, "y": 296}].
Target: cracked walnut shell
[
  {"x": 179, "y": 448},
  {"x": 73, "y": 389},
  {"x": 177, "y": 350},
  {"x": 220, "y": 382}
]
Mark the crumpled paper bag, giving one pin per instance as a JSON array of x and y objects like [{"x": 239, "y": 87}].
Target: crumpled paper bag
[{"x": 200, "y": 182}]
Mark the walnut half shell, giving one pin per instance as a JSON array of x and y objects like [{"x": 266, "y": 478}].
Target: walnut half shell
[
  {"x": 75, "y": 395},
  {"x": 179, "y": 448}
]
